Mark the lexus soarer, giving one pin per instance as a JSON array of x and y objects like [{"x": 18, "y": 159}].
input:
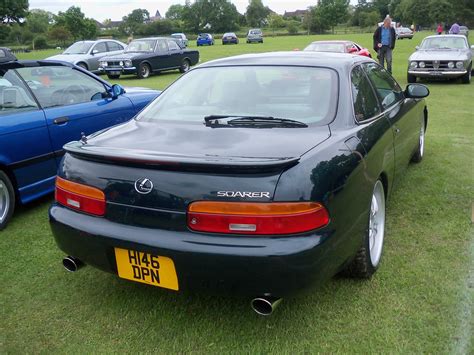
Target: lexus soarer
[{"x": 262, "y": 199}]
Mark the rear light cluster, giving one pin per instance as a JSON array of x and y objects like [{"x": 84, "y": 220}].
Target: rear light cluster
[
  {"x": 80, "y": 197},
  {"x": 275, "y": 218}
]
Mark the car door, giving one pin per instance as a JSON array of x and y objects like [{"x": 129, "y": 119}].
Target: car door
[
  {"x": 25, "y": 146},
  {"x": 97, "y": 52},
  {"x": 74, "y": 102},
  {"x": 161, "y": 59},
  {"x": 399, "y": 111},
  {"x": 175, "y": 54}
]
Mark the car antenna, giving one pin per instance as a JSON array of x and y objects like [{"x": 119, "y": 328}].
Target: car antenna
[{"x": 83, "y": 138}]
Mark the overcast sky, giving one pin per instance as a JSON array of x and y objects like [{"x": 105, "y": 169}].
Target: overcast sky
[{"x": 116, "y": 9}]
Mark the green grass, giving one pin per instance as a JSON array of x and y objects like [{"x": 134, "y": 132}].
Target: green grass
[{"x": 419, "y": 300}]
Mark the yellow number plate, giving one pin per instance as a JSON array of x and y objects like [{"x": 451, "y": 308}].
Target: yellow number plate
[{"x": 146, "y": 268}]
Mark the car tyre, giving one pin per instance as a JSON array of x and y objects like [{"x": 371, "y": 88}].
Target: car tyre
[
  {"x": 113, "y": 76},
  {"x": 144, "y": 71},
  {"x": 7, "y": 200},
  {"x": 418, "y": 156},
  {"x": 411, "y": 78},
  {"x": 466, "y": 78},
  {"x": 367, "y": 259},
  {"x": 185, "y": 65}
]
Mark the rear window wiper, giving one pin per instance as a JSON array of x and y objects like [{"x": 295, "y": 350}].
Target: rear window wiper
[{"x": 243, "y": 120}]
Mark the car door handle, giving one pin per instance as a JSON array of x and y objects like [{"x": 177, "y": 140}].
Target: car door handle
[{"x": 61, "y": 120}]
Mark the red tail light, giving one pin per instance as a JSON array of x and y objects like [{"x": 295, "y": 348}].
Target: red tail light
[
  {"x": 256, "y": 218},
  {"x": 80, "y": 197}
]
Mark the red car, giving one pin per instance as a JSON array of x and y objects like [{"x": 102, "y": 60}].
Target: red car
[{"x": 338, "y": 47}]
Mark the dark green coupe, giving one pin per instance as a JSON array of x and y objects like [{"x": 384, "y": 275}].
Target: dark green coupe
[{"x": 258, "y": 174}]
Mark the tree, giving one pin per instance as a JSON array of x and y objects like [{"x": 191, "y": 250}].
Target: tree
[
  {"x": 256, "y": 13},
  {"x": 334, "y": 11},
  {"x": 20, "y": 35},
  {"x": 60, "y": 35},
  {"x": 38, "y": 21},
  {"x": 133, "y": 20},
  {"x": 440, "y": 11},
  {"x": 13, "y": 10},
  {"x": 76, "y": 23},
  {"x": 175, "y": 12},
  {"x": 218, "y": 15},
  {"x": 275, "y": 22},
  {"x": 315, "y": 21}
]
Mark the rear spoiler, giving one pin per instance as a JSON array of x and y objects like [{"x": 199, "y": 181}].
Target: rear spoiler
[{"x": 176, "y": 161}]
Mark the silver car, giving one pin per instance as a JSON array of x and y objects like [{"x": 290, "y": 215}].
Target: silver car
[
  {"x": 463, "y": 30},
  {"x": 441, "y": 56},
  {"x": 87, "y": 54},
  {"x": 403, "y": 32}
]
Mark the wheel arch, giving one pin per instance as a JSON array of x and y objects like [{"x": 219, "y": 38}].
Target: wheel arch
[
  {"x": 11, "y": 176},
  {"x": 384, "y": 178},
  {"x": 84, "y": 63}
]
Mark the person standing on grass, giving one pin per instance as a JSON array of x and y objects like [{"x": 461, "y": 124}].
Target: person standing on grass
[
  {"x": 439, "y": 29},
  {"x": 384, "y": 42},
  {"x": 454, "y": 30}
]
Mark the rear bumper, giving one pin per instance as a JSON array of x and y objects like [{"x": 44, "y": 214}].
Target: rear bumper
[
  {"x": 437, "y": 74},
  {"x": 238, "y": 265}
]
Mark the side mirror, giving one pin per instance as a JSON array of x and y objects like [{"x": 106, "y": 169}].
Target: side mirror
[
  {"x": 94, "y": 51},
  {"x": 417, "y": 47},
  {"x": 472, "y": 47},
  {"x": 416, "y": 91},
  {"x": 116, "y": 90}
]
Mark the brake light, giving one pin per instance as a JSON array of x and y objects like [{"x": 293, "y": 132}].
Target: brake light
[
  {"x": 80, "y": 197},
  {"x": 256, "y": 218}
]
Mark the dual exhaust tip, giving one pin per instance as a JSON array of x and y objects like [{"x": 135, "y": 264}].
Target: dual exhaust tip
[{"x": 263, "y": 306}]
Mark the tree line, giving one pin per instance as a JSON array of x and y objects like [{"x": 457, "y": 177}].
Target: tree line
[{"x": 37, "y": 27}]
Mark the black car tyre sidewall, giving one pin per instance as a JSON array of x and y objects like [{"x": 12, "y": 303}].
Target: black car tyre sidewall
[
  {"x": 8, "y": 193},
  {"x": 411, "y": 79},
  {"x": 466, "y": 78},
  {"x": 142, "y": 72},
  {"x": 112, "y": 77},
  {"x": 185, "y": 66}
]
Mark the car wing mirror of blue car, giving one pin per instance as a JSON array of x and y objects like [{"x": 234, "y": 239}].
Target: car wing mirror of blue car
[
  {"x": 416, "y": 91},
  {"x": 116, "y": 90}
]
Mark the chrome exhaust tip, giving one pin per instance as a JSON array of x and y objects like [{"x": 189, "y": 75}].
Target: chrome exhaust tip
[
  {"x": 265, "y": 306},
  {"x": 72, "y": 264}
]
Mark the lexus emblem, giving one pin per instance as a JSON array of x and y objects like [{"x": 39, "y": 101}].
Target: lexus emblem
[{"x": 143, "y": 186}]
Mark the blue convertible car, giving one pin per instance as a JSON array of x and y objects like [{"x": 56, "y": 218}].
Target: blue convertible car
[{"x": 43, "y": 105}]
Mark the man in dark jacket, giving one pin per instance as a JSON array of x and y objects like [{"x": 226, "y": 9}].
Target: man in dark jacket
[{"x": 384, "y": 42}]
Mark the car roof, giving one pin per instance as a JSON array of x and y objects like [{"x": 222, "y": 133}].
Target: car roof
[
  {"x": 333, "y": 41},
  {"x": 301, "y": 58},
  {"x": 441, "y": 36}
]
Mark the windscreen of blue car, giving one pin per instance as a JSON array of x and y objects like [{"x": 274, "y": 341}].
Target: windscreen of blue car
[{"x": 306, "y": 94}]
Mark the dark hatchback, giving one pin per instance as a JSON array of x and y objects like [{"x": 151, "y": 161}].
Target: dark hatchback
[{"x": 262, "y": 199}]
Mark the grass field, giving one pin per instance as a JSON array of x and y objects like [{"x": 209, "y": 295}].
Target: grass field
[{"x": 419, "y": 301}]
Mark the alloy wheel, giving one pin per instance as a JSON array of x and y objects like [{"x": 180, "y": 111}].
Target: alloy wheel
[
  {"x": 377, "y": 223},
  {"x": 4, "y": 201}
]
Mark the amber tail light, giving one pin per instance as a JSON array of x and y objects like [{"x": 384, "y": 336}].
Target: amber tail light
[
  {"x": 274, "y": 218},
  {"x": 80, "y": 197}
]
